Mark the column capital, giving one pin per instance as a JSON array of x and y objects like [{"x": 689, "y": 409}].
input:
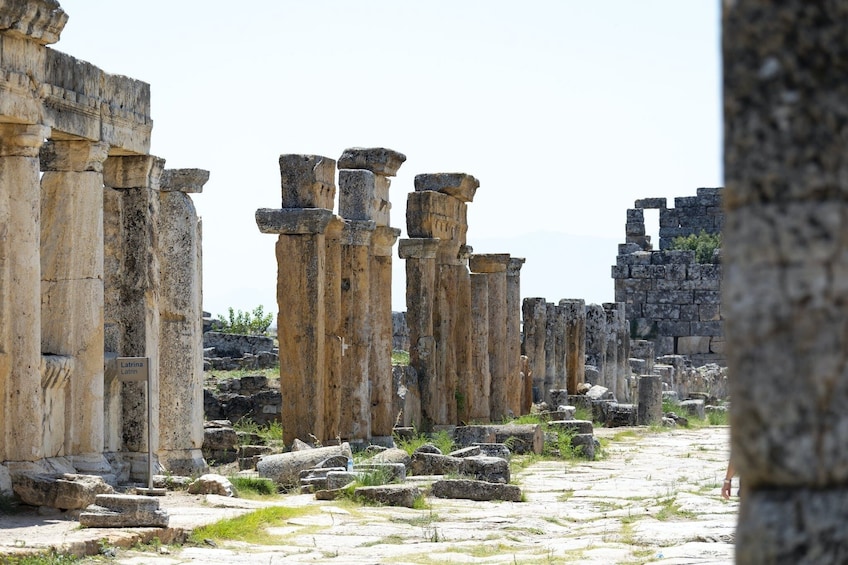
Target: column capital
[
  {"x": 133, "y": 171},
  {"x": 358, "y": 232},
  {"x": 73, "y": 155},
  {"x": 383, "y": 240},
  {"x": 418, "y": 248},
  {"x": 188, "y": 181},
  {"x": 22, "y": 140},
  {"x": 378, "y": 160},
  {"x": 489, "y": 262},
  {"x": 514, "y": 266},
  {"x": 459, "y": 185},
  {"x": 294, "y": 221},
  {"x": 307, "y": 181}
]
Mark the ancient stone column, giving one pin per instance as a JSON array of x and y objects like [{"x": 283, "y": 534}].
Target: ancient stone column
[
  {"x": 438, "y": 209},
  {"x": 560, "y": 347},
  {"x": 364, "y": 182},
  {"x": 332, "y": 327},
  {"x": 20, "y": 293},
  {"x": 72, "y": 288},
  {"x": 610, "y": 374},
  {"x": 649, "y": 409},
  {"x": 596, "y": 339},
  {"x": 481, "y": 377},
  {"x": 494, "y": 265},
  {"x": 514, "y": 384},
  {"x": 534, "y": 314},
  {"x": 551, "y": 320},
  {"x": 131, "y": 297},
  {"x": 420, "y": 257},
  {"x": 785, "y": 297},
  {"x": 180, "y": 323},
  {"x": 622, "y": 354},
  {"x": 308, "y": 193},
  {"x": 575, "y": 342}
]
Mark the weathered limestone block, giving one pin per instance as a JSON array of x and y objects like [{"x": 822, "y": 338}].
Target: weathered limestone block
[
  {"x": 485, "y": 468},
  {"x": 124, "y": 511},
  {"x": 389, "y": 495},
  {"x": 573, "y": 426},
  {"x": 585, "y": 445},
  {"x": 459, "y": 185},
  {"x": 514, "y": 384},
  {"x": 285, "y": 468},
  {"x": 391, "y": 456},
  {"x": 236, "y": 345},
  {"x": 378, "y": 160},
  {"x": 212, "y": 483},
  {"x": 67, "y": 492},
  {"x": 40, "y": 21},
  {"x": 434, "y": 464},
  {"x": 293, "y": 221},
  {"x": 307, "y": 181},
  {"x": 475, "y": 490},
  {"x": 494, "y": 450},
  {"x": 477, "y": 397},
  {"x": 575, "y": 342},
  {"x": 523, "y": 438}
]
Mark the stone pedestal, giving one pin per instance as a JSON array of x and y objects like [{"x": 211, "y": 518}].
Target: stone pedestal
[
  {"x": 649, "y": 409},
  {"x": 72, "y": 283},
  {"x": 575, "y": 342},
  {"x": 180, "y": 327},
  {"x": 132, "y": 290},
  {"x": 20, "y": 293},
  {"x": 495, "y": 266},
  {"x": 785, "y": 297}
]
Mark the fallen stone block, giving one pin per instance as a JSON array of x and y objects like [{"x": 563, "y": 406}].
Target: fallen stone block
[
  {"x": 124, "y": 511},
  {"x": 475, "y": 490},
  {"x": 389, "y": 495},
  {"x": 392, "y": 455},
  {"x": 470, "y": 451},
  {"x": 335, "y": 480},
  {"x": 285, "y": 468},
  {"x": 212, "y": 484},
  {"x": 66, "y": 492},
  {"x": 572, "y": 426},
  {"x": 584, "y": 445},
  {"x": 494, "y": 450},
  {"x": 520, "y": 438},
  {"x": 694, "y": 408},
  {"x": 433, "y": 464},
  {"x": 483, "y": 468}
]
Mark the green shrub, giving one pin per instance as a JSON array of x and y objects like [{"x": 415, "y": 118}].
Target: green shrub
[
  {"x": 256, "y": 486},
  {"x": 703, "y": 244},
  {"x": 249, "y": 323}
]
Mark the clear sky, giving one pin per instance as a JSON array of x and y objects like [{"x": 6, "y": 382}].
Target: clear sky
[{"x": 566, "y": 111}]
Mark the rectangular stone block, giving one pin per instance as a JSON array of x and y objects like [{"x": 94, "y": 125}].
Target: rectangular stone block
[
  {"x": 293, "y": 221},
  {"x": 634, "y": 228},
  {"x": 696, "y": 222},
  {"x": 433, "y": 214},
  {"x": 632, "y": 310},
  {"x": 703, "y": 284},
  {"x": 668, "y": 218},
  {"x": 671, "y": 233},
  {"x": 706, "y": 297},
  {"x": 627, "y": 248},
  {"x": 635, "y": 285},
  {"x": 685, "y": 201},
  {"x": 709, "y": 312},
  {"x": 640, "y": 271},
  {"x": 359, "y": 199},
  {"x": 307, "y": 181},
  {"x": 689, "y": 313},
  {"x": 635, "y": 216},
  {"x": 651, "y": 203},
  {"x": 676, "y": 329},
  {"x": 459, "y": 185},
  {"x": 676, "y": 257},
  {"x": 664, "y": 346},
  {"x": 661, "y": 311},
  {"x": 638, "y": 258},
  {"x": 670, "y": 297},
  {"x": 620, "y": 271},
  {"x": 717, "y": 345},
  {"x": 691, "y": 345},
  {"x": 675, "y": 271},
  {"x": 704, "y": 271},
  {"x": 707, "y": 328}
]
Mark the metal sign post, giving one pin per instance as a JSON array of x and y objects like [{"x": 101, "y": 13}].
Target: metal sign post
[{"x": 136, "y": 370}]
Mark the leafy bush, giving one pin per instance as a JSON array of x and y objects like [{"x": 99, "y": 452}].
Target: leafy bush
[
  {"x": 250, "y": 323},
  {"x": 703, "y": 244}
]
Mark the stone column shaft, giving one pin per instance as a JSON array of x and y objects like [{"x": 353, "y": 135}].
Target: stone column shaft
[
  {"x": 611, "y": 356},
  {"x": 180, "y": 329},
  {"x": 20, "y": 296},
  {"x": 131, "y": 211},
  {"x": 481, "y": 378},
  {"x": 596, "y": 339},
  {"x": 534, "y": 314},
  {"x": 356, "y": 330},
  {"x": 514, "y": 384},
  {"x": 72, "y": 285},
  {"x": 649, "y": 409},
  {"x": 550, "y": 382},
  {"x": 575, "y": 338},
  {"x": 420, "y": 257},
  {"x": 332, "y": 329},
  {"x": 785, "y": 269}
]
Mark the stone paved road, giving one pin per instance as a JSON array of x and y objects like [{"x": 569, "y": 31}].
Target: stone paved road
[{"x": 654, "y": 498}]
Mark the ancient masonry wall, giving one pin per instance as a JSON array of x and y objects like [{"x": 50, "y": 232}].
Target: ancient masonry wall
[
  {"x": 670, "y": 299},
  {"x": 99, "y": 258}
]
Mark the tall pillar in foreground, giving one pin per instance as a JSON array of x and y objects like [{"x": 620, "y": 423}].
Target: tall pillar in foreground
[
  {"x": 308, "y": 193},
  {"x": 132, "y": 290},
  {"x": 420, "y": 257},
  {"x": 21, "y": 408},
  {"x": 180, "y": 323},
  {"x": 72, "y": 288},
  {"x": 514, "y": 385},
  {"x": 785, "y": 290},
  {"x": 333, "y": 328},
  {"x": 481, "y": 378},
  {"x": 575, "y": 342}
]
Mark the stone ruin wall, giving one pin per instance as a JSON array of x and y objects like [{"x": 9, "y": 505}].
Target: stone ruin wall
[
  {"x": 670, "y": 299},
  {"x": 95, "y": 235}
]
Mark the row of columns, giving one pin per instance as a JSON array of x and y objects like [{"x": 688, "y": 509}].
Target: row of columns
[
  {"x": 334, "y": 295},
  {"x": 79, "y": 277},
  {"x": 463, "y": 324}
]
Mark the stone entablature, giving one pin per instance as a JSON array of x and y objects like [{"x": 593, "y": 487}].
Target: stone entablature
[{"x": 671, "y": 299}]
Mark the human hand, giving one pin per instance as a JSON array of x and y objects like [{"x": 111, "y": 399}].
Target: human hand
[{"x": 725, "y": 488}]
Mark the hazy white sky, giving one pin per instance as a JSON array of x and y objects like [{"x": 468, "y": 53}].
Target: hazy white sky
[{"x": 566, "y": 111}]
